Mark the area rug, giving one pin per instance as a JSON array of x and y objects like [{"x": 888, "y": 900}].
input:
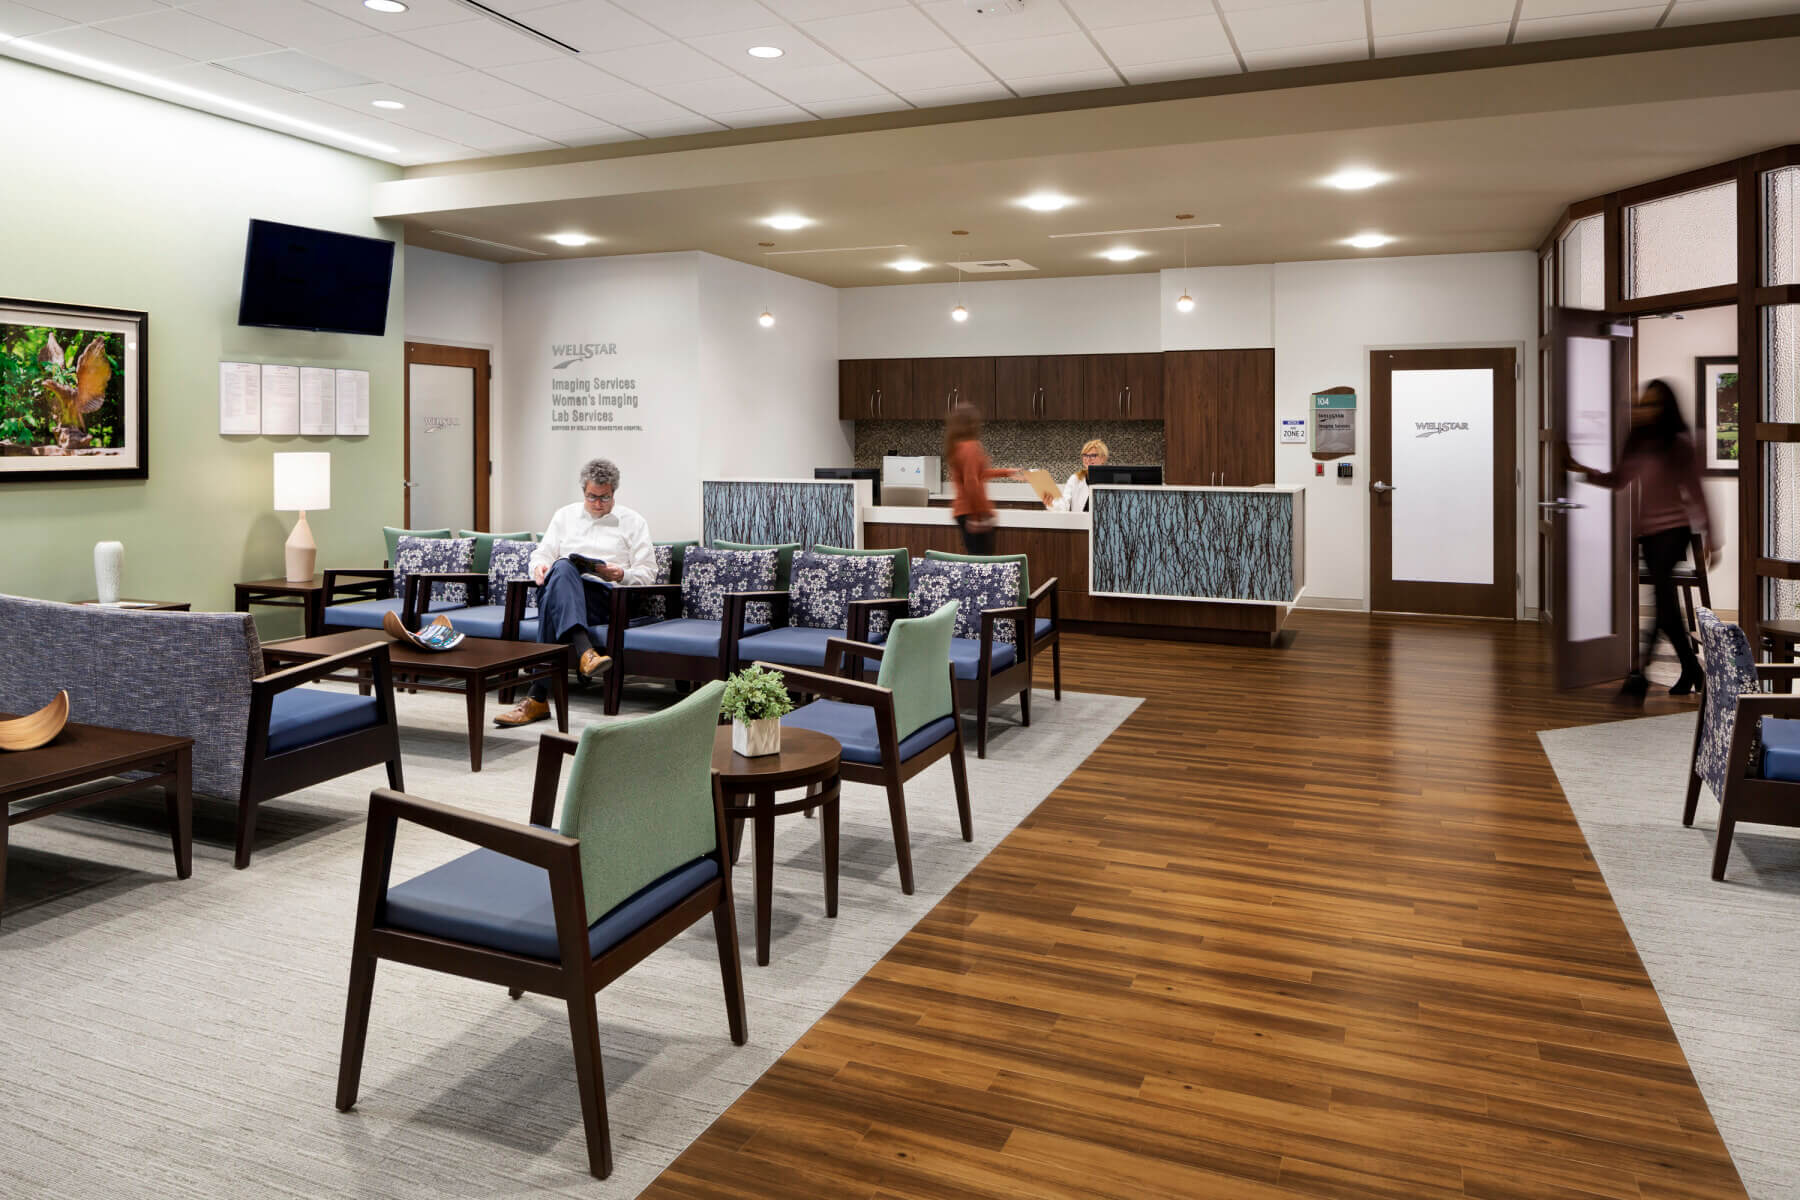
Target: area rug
[
  {"x": 1725, "y": 957},
  {"x": 180, "y": 1038}
]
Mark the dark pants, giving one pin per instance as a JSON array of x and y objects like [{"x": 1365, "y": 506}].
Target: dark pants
[
  {"x": 567, "y": 603},
  {"x": 976, "y": 543},
  {"x": 1662, "y": 553}
]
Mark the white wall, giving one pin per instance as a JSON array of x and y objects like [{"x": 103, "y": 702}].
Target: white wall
[
  {"x": 1666, "y": 349},
  {"x": 452, "y": 300},
  {"x": 1099, "y": 314}
]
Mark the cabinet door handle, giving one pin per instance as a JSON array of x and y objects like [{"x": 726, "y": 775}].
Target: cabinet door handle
[
  {"x": 1128, "y": 399},
  {"x": 1119, "y": 401},
  {"x": 878, "y": 402}
]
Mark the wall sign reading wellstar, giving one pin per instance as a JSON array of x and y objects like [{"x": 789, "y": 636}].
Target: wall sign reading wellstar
[{"x": 583, "y": 399}]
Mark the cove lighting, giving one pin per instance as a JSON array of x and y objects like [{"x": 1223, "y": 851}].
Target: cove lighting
[
  {"x": 908, "y": 265},
  {"x": 766, "y": 52},
  {"x": 1045, "y": 202},
  {"x": 1368, "y": 241},
  {"x": 570, "y": 239},
  {"x": 387, "y": 104},
  {"x": 1121, "y": 254},
  {"x": 385, "y": 6},
  {"x": 1356, "y": 179},
  {"x": 787, "y": 221}
]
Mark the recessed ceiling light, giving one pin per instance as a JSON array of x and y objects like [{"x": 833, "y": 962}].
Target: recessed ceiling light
[
  {"x": 766, "y": 52},
  {"x": 1045, "y": 201},
  {"x": 787, "y": 221},
  {"x": 908, "y": 264},
  {"x": 1368, "y": 241},
  {"x": 387, "y": 103},
  {"x": 1356, "y": 179},
  {"x": 385, "y": 6},
  {"x": 1121, "y": 254},
  {"x": 570, "y": 239}
]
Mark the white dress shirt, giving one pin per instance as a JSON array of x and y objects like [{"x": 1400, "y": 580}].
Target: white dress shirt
[
  {"x": 1074, "y": 497},
  {"x": 620, "y": 539}
]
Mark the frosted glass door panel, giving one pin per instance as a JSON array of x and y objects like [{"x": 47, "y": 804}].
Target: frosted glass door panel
[
  {"x": 1682, "y": 242},
  {"x": 1781, "y": 219},
  {"x": 1588, "y": 420},
  {"x": 1583, "y": 251},
  {"x": 441, "y": 441},
  {"x": 1443, "y": 463}
]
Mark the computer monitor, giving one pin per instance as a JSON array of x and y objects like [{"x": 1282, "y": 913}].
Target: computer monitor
[
  {"x": 872, "y": 474},
  {"x": 1142, "y": 476}
]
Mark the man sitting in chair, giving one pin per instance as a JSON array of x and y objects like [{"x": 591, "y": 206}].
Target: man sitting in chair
[{"x": 614, "y": 537}]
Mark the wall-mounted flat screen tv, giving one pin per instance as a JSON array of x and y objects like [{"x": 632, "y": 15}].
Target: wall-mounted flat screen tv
[{"x": 300, "y": 278}]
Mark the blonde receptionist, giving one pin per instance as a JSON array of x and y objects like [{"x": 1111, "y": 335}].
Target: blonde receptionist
[{"x": 1075, "y": 491}]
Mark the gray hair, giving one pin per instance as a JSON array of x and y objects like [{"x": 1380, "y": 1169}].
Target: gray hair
[{"x": 601, "y": 473}]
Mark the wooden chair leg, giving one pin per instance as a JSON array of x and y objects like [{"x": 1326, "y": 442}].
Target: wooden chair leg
[
  {"x": 515, "y": 993},
  {"x": 981, "y": 715},
  {"x": 590, "y": 1078},
  {"x": 896, "y": 794},
  {"x": 246, "y": 829},
  {"x": 1056, "y": 664},
  {"x": 356, "y": 1029},
  {"x": 731, "y": 970},
  {"x": 1722, "y": 848},
  {"x": 1693, "y": 799},
  {"x": 395, "y": 779},
  {"x": 959, "y": 773}
]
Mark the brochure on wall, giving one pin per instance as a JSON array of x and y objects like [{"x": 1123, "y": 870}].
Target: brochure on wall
[
  {"x": 352, "y": 403},
  {"x": 318, "y": 402},
  {"x": 240, "y": 398},
  {"x": 281, "y": 399}
]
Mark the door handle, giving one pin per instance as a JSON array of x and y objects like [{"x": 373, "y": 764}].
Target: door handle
[
  {"x": 1560, "y": 505},
  {"x": 875, "y": 398},
  {"x": 1128, "y": 399},
  {"x": 1119, "y": 402},
  {"x": 1037, "y": 403},
  {"x": 1379, "y": 486},
  {"x": 409, "y": 483}
]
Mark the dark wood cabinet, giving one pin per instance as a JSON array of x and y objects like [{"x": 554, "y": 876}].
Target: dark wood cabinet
[
  {"x": 1015, "y": 388},
  {"x": 1144, "y": 387},
  {"x": 1061, "y": 384},
  {"x": 1038, "y": 387},
  {"x": 1219, "y": 417},
  {"x": 856, "y": 389},
  {"x": 875, "y": 389},
  {"x": 939, "y": 384},
  {"x": 1123, "y": 387}
]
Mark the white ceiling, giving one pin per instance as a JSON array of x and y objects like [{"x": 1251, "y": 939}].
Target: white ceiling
[{"x": 474, "y": 86}]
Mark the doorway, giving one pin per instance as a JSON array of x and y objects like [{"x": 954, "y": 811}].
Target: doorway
[
  {"x": 446, "y": 455},
  {"x": 1443, "y": 514}
]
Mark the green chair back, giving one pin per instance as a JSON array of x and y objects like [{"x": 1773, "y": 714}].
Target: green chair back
[
  {"x": 902, "y": 564},
  {"x": 484, "y": 545},
  {"x": 640, "y": 800},
  {"x": 1024, "y": 568},
  {"x": 784, "y": 557},
  {"x": 915, "y": 666},
  {"x": 393, "y": 535}
]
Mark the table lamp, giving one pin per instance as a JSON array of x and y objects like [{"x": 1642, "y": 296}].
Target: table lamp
[{"x": 302, "y": 482}]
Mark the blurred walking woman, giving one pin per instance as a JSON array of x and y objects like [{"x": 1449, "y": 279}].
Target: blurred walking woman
[
  {"x": 969, "y": 471},
  {"x": 1075, "y": 491},
  {"x": 1661, "y": 458}
]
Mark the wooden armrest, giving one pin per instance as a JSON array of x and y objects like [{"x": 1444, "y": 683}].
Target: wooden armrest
[
  {"x": 552, "y": 748},
  {"x": 419, "y": 586},
  {"x": 622, "y": 594},
  {"x": 838, "y": 649},
  {"x": 1042, "y": 589},
  {"x": 1778, "y": 670},
  {"x": 835, "y": 687},
  {"x": 527, "y": 843},
  {"x": 891, "y": 604},
  {"x": 380, "y": 579},
  {"x": 1761, "y": 704},
  {"x": 292, "y": 677},
  {"x": 737, "y": 603}
]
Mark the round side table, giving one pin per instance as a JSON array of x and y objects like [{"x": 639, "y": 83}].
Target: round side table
[{"x": 807, "y": 759}]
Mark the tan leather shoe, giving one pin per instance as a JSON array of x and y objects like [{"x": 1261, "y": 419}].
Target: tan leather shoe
[
  {"x": 592, "y": 663},
  {"x": 523, "y": 713}
]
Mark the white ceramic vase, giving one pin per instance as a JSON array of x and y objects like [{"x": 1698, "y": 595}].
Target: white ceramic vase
[
  {"x": 755, "y": 739},
  {"x": 109, "y": 566}
]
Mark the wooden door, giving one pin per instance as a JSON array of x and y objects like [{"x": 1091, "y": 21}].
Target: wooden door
[
  {"x": 1190, "y": 387},
  {"x": 893, "y": 392},
  {"x": 1443, "y": 492},
  {"x": 445, "y": 401},
  {"x": 1060, "y": 378},
  {"x": 856, "y": 389},
  {"x": 1242, "y": 421},
  {"x": 1103, "y": 396},
  {"x": 1144, "y": 387},
  {"x": 1015, "y": 388}
]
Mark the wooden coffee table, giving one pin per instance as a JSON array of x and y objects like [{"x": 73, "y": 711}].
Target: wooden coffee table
[
  {"x": 807, "y": 759},
  {"x": 82, "y": 753},
  {"x": 475, "y": 668}
]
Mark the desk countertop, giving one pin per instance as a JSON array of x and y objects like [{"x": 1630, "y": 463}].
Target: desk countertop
[{"x": 1006, "y": 518}]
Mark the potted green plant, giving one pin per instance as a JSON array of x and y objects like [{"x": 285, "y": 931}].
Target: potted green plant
[{"x": 755, "y": 700}]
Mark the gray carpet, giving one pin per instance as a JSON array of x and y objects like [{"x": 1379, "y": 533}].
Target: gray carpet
[
  {"x": 169, "y": 1038},
  {"x": 1725, "y": 957}
]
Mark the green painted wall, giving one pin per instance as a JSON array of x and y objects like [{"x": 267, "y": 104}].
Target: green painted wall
[{"x": 111, "y": 198}]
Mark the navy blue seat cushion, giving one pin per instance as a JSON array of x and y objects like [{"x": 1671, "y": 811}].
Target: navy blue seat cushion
[
  {"x": 367, "y": 614},
  {"x": 965, "y": 656},
  {"x": 1040, "y": 627},
  {"x": 489, "y": 621},
  {"x": 791, "y": 646},
  {"x": 684, "y": 635},
  {"x": 487, "y": 899},
  {"x": 1781, "y": 749},
  {"x": 301, "y": 716},
  {"x": 853, "y": 725}
]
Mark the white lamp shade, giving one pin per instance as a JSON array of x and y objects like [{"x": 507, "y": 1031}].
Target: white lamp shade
[{"x": 302, "y": 482}]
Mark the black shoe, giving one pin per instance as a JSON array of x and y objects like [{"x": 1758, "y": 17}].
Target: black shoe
[
  {"x": 1689, "y": 682},
  {"x": 1635, "y": 687}
]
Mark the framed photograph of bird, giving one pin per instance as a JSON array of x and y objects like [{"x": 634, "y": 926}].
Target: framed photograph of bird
[{"x": 74, "y": 400}]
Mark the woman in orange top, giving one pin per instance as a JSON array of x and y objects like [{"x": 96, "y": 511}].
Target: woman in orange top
[{"x": 969, "y": 471}]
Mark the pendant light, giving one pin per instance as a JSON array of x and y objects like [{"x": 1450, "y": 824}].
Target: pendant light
[
  {"x": 767, "y": 320},
  {"x": 959, "y": 314},
  {"x": 1184, "y": 303}
]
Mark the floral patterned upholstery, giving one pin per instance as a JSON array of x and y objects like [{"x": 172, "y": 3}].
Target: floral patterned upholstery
[
  {"x": 936, "y": 582},
  {"x": 510, "y": 560},
  {"x": 656, "y": 608},
  {"x": 415, "y": 554},
  {"x": 1730, "y": 673},
  {"x": 707, "y": 574},
  {"x": 821, "y": 587}
]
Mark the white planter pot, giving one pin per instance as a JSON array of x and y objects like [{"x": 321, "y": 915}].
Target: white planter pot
[{"x": 754, "y": 739}]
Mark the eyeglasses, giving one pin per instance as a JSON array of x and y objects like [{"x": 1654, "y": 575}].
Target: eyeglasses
[
  {"x": 597, "y": 497},
  {"x": 1091, "y": 454}
]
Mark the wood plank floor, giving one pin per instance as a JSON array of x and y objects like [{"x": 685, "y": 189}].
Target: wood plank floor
[{"x": 1314, "y": 922}]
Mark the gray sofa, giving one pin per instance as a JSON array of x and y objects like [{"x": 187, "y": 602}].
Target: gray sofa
[{"x": 200, "y": 675}]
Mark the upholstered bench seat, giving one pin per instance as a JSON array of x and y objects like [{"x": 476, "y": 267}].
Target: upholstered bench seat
[
  {"x": 489, "y": 621},
  {"x": 487, "y": 899},
  {"x": 1781, "y": 749},
  {"x": 682, "y": 635},
  {"x": 853, "y": 725},
  {"x": 793, "y": 645},
  {"x": 965, "y": 656},
  {"x": 1040, "y": 627},
  {"x": 304, "y": 716},
  {"x": 368, "y": 614}
]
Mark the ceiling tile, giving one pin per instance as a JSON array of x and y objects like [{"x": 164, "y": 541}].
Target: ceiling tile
[
  {"x": 971, "y": 93},
  {"x": 1394, "y": 17},
  {"x": 659, "y": 63},
  {"x": 383, "y": 57},
  {"x": 1442, "y": 39},
  {"x": 299, "y": 25},
  {"x": 210, "y": 77},
  {"x": 727, "y": 94},
  {"x": 1694, "y": 12},
  {"x": 418, "y": 14},
  {"x": 836, "y": 81},
  {"x": 931, "y": 69},
  {"x": 359, "y": 98},
  {"x": 81, "y": 12},
  {"x": 1163, "y": 41},
  {"x": 592, "y": 26},
  {"x": 631, "y": 108},
  {"x": 544, "y": 118},
  {"x": 861, "y": 106},
  {"x": 1105, "y": 14},
  {"x": 598, "y": 134},
  {"x": 475, "y": 90},
  {"x": 109, "y": 48},
  {"x": 1072, "y": 81},
  {"x": 1185, "y": 68},
  {"x": 972, "y": 29},
  {"x": 18, "y": 21},
  {"x": 812, "y": 10},
  {"x": 696, "y": 18},
  {"x": 883, "y": 33},
  {"x": 1305, "y": 24},
  {"x": 687, "y": 125},
  {"x": 564, "y": 77},
  {"x": 296, "y": 71},
  {"x": 733, "y": 49},
  {"x": 781, "y": 114},
  {"x": 517, "y": 144},
  {"x": 185, "y": 34},
  {"x": 1306, "y": 56},
  {"x": 1059, "y": 54},
  {"x": 481, "y": 43},
  {"x": 1532, "y": 10},
  {"x": 1586, "y": 24}
]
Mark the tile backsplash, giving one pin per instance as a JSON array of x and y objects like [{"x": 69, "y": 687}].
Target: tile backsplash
[{"x": 1052, "y": 445}]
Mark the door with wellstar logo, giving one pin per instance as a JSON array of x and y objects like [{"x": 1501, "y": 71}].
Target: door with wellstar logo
[{"x": 1443, "y": 503}]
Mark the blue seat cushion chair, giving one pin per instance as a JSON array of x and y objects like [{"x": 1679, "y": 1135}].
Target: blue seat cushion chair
[
  {"x": 1781, "y": 749},
  {"x": 487, "y": 899},
  {"x": 367, "y": 614},
  {"x": 853, "y": 725},
  {"x": 302, "y": 716},
  {"x": 965, "y": 656},
  {"x": 791, "y": 646},
  {"x": 683, "y": 635},
  {"x": 1040, "y": 627},
  {"x": 489, "y": 621}
]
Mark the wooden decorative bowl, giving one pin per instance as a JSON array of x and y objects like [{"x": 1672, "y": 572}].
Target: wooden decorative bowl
[{"x": 30, "y": 732}]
